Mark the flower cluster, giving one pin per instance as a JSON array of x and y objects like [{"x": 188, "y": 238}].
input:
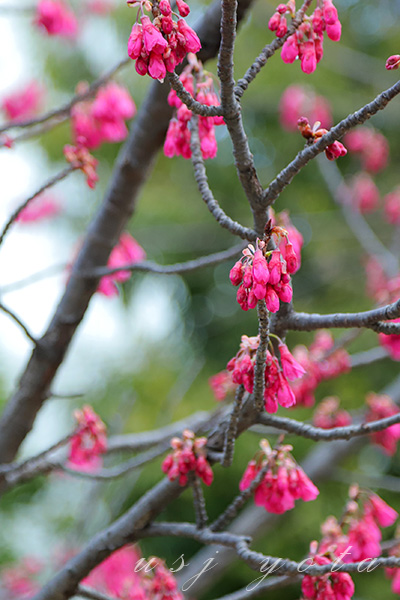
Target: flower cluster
[
  {"x": 126, "y": 252},
  {"x": 24, "y": 103},
  {"x": 265, "y": 275},
  {"x": 307, "y": 42},
  {"x": 221, "y": 384},
  {"x": 297, "y": 101},
  {"x": 56, "y": 18},
  {"x": 177, "y": 141},
  {"x": 328, "y": 414},
  {"x": 277, "y": 389},
  {"x": 392, "y": 206},
  {"x": 357, "y": 536},
  {"x": 189, "y": 455},
  {"x": 393, "y": 62},
  {"x": 379, "y": 286},
  {"x": 158, "y": 46},
  {"x": 283, "y": 483},
  {"x": 80, "y": 158},
  {"x": 312, "y": 135},
  {"x": 103, "y": 119},
  {"x": 88, "y": 442},
  {"x": 364, "y": 194},
  {"x": 42, "y": 207},
  {"x": 332, "y": 586},
  {"x": 381, "y": 406},
  {"x": 320, "y": 363},
  {"x": 371, "y": 146},
  {"x": 125, "y": 575}
]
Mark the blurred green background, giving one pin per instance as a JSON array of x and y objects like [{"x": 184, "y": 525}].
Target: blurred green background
[{"x": 167, "y": 378}]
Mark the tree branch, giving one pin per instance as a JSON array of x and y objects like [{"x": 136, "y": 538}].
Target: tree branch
[
  {"x": 335, "y": 133},
  {"x": 261, "y": 356},
  {"x": 196, "y": 107},
  {"x": 18, "y": 321}
]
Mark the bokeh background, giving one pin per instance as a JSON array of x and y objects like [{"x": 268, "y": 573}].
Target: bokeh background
[{"x": 143, "y": 359}]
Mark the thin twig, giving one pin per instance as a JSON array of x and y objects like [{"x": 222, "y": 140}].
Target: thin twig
[
  {"x": 52, "y": 181},
  {"x": 317, "y": 433},
  {"x": 199, "y": 502},
  {"x": 19, "y": 323},
  {"x": 269, "y": 51},
  {"x": 230, "y": 438},
  {"x": 202, "y": 183},
  {"x": 231, "y": 511},
  {"x": 287, "y": 174},
  {"x": 259, "y": 367}
]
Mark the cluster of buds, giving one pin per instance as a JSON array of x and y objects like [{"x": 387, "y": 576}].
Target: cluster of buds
[
  {"x": 358, "y": 535},
  {"x": 332, "y": 586},
  {"x": 313, "y": 134},
  {"x": 364, "y": 194},
  {"x": 189, "y": 456},
  {"x": 24, "y": 103},
  {"x": 103, "y": 119},
  {"x": 126, "y": 252},
  {"x": 80, "y": 158},
  {"x": 158, "y": 46},
  {"x": 392, "y": 206},
  {"x": 381, "y": 406},
  {"x": 297, "y": 101},
  {"x": 277, "y": 389},
  {"x": 200, "y": 85},
  {"x": 56, "y": 18},
  {"x": 328, "y": 414},
  {"x": 263, "y": 274},
  {"x": 284, "y": 482},
  {"x": 393, "y": 62},
  {"x": 321, "y": 362},
  {"x": 88, "y": 442},
  {"x": 371, "y": 146},
  {"x": 307, "y": 42}
]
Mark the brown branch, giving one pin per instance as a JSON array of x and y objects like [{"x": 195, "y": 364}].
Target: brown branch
[
  {"x": 196, "y": 107},
  {"x": 230, "y": 438},
  {"x": 335, "y": 133},
  {"x": 261, "y": 356}
]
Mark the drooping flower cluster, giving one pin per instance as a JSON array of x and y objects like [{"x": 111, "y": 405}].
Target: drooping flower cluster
[
  {"x": 88, "y": 442},
  {"x": 382, "y": 406},
  {"x": 392, "y": 206},
  {"x": 282, "y": 219},
  {"x": 320, "y": 363},
  {"x": 126, "y": 252},
  {"x": 298, "y": 101},
  {"x": 80, "y": 158},
  {"x": 42, "y": 207},
  {"x": 393, "y": 62},
  {"x": 357, "y": 536},
  {"x": 189, "y": 456},
  {"x": 364, "y": 194},
  {"x": 127, "y": 576},
  {"x": 277, "y": 390},
  {"x": 328, "y": 414},
  {"x": 306, "y": 43},
  {"x": 332, "y": 586},
  {"x": 312, "y": 135},
  {"x": 160, "y": 45},
  {"x": 265, "y": 275},
  {"x": 103, "y": 119},
  {"x": 222, "y": 384},
  {"x": 284, "y": 482},
  {"x": 56, "y": 18},
  {"x": 371, "y": 146},
  {"x": 177, "y": 141},
  {"x": 24, "y": 103}
]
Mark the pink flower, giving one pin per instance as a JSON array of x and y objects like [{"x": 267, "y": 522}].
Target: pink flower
[
  {"x": 291, "y": 368},
  {"x": 135, "y": 41},
  {"x": 192, "y": 42},
  {"x": 372, "y": 147},
  {"x": 364, "y": 193},
  {"x": 56, "y": 18},
  {"x": 189, "y": 455},
  {"x": 392, "y": 207},
  {"x": 308, "y": 58},
  {"x": 391, "y": 342},
  {"x": 113, "y": 103},
  {"x": 25, "y": 103},
  {"x": 393, "y": 62},
  {"x": 41, "y": 208},
  {"x": 80, "y": 158},
  {"x": 335, "y": 150},
  {"x": 221, "y": 384},
  {"x": 328, "y": 415},
  {"x": 126, "y": 252},
  {"x": 290, "y": 50},
  {"x": 380, "y": 407},
  {"x": 152, "y": 38},
  {"x": 334, "y": 31},
  {"x": 88, "y": 442},
  {"x": 383, "y": 514}
]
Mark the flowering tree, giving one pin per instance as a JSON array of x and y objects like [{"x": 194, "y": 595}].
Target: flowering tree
[{"x": 268, "y": 376}]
